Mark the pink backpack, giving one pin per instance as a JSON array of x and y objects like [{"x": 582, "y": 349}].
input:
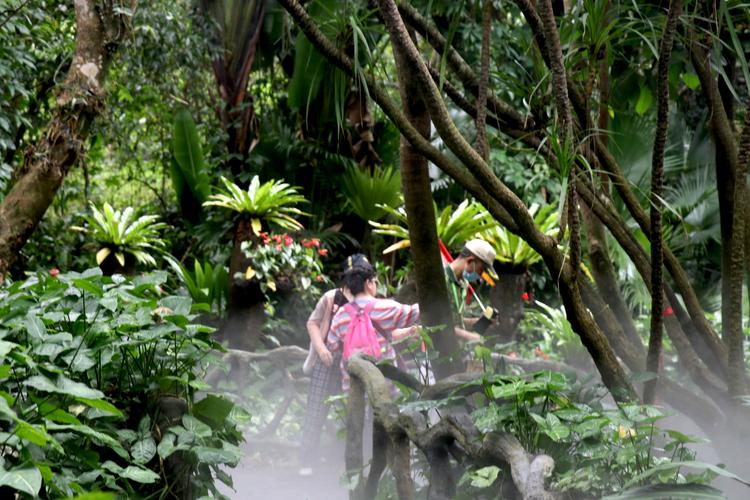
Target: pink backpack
[{"x": 361, "y": 336}]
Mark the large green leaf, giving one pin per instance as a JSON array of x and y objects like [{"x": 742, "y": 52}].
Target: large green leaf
[
  {"x": 659, "y": 491},
  {"x": 143, "y": 450},
  {"x": 27, "y": 480},
  {"x": 213, "y": 410},
  {"x": 188, "y": 155}
]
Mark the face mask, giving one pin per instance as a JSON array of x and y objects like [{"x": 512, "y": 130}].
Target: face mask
[{"x": 471, "y": 276}]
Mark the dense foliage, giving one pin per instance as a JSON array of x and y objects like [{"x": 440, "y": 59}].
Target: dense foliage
[{"x": 88, "y": 364}]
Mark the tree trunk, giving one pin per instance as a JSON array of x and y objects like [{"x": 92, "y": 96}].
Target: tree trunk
[
  {"x": 245, "y": 312},
  {"x": 657, "y": 185},
  {"x": 432, "y": 292},
  {"x": 80, "y": 99}
]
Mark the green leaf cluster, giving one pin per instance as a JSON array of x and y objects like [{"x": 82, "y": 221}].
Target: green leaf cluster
[
  {"x": 119, "y": 232},
  {"x": 85, "y": 362},
  {"x": 272, "y": 202}
]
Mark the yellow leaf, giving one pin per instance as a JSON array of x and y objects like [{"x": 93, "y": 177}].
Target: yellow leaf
[
  {"x": 399, "y": 245},
  {"x": 271, "y": 284},
  {"x": 120, "y": 258},
  {"x": 625, "y": 431},
  {"x": 255, "y": 223},
  {"x": 76, "y": 409},
  {"x": 249, "y": 273},
  {"x": 102, "y": 254}
]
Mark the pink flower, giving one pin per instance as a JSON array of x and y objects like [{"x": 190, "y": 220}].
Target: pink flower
[
  {"x": 287, "y": 240},
  {"x": 319, "y": 278},
  {"x": 278, "y": 248},
  {"x": 54, "y": 272},
  {"x": 322, "y": 252},
  {"x": 668, "y": 311},
  {"x": 525, "y": 296}
]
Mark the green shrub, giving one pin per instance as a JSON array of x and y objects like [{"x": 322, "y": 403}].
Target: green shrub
[{"x": 86, "y": 362}]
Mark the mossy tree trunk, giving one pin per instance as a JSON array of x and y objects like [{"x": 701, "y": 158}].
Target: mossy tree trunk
[{"x": 80, "y": 99}]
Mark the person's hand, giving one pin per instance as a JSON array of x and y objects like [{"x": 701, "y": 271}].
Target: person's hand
[{"x": 324, "y": 355}]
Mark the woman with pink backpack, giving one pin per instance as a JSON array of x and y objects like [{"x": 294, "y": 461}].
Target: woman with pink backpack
[{"x": 366, "y": 323}]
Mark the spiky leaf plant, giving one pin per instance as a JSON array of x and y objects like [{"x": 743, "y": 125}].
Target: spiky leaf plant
[
  {"x": 206, "y": 283},
  {"x": 273, "y": 201},
  {"x": 513, "y": 250},
  {"x": 455, "y": 225},
  {"x": 120, "y": 233},
  {"x": 368, "y": 195}
]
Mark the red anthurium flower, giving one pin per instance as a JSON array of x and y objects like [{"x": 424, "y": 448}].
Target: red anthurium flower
[
  {"x": 668, "y": 311},
  {"x": 54, "y": 272},
  {"x": 525, "y": 296},
  {"x": 288, "y": 240},
  {"x": 322, "y": 252},
  {"x": 315, "y": 242}
]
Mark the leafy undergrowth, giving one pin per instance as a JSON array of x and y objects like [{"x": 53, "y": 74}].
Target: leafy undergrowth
[
  {"x": 599, "y": 449},
  {"x": 101, "y": 385}
]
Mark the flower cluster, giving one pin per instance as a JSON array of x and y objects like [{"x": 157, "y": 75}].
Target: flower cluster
[{"x": 280, "y": 260}]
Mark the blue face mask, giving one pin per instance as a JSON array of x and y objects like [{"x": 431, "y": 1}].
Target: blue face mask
[{"x": 471, "y": 276}]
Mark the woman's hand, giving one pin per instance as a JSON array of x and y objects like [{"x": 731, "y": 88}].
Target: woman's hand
[{"x": 324, "y": 355}]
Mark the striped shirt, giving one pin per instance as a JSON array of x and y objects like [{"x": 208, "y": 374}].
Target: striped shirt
[{"x": 386, "y": 315}]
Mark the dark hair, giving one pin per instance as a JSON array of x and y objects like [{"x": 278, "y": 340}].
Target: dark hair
[
  {"x": 466, "y": 253},
  {"x": 355, "y": 278},
  {"x": 357, "y": 259}
]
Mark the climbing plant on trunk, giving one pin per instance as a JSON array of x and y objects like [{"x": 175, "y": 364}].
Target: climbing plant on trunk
[{"x": 100, "y": 28}]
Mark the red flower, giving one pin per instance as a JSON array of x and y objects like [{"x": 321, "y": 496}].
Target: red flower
[
  {"x": 54, "y": 272},
  {"x": 276, "y": 238},
  {"x": 668, "y": 311},
  {"x": 540, "y": 353},
  {"x": 322, "y": 252},
  {"x": 288, "y": 240},
  {"x": 264, "y": 237},
  {"x": 315, "y": 242},
  {"x": 319, "y": 278},
  {"x": 307, "y": 243},
  {"x": 525, "y": 296}
]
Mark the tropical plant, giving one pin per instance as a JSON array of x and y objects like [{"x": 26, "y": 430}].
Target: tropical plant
[
  {"x": 280, "y": 260},
  {"x": 515, "y": 251},
  {"x": 91, "y": 367},
  {"x": 597, "y": 450},
  {"x": 556, "y": 336},
  {"x": 206, "y": 284},
  {"x": 273, "y": 201},
  {"x": 120, "y": 234},
  {"x": 455, "y": 225},
  {"x": 368, "y": 194},
  {"x": 188, "y": 168}
]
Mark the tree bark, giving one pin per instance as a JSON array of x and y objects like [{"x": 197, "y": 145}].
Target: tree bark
[
  {"x": 657, "y": 187},
  {"x": 500, "y": 201},
  {"x": 432, "y": 291},
  {"x": 483, "y": 146},
  {"x": 80, "y": 99}
]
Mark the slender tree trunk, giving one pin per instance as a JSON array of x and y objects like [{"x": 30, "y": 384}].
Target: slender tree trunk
[
  {"x": 80, "y": 99},
  {"x": 483, "y": 146},
  {"x": 657, "y": 185},
  {"x": 432, "y": 292}
]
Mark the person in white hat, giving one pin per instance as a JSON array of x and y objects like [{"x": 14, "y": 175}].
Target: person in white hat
[{"x": 475, "y": 259}]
